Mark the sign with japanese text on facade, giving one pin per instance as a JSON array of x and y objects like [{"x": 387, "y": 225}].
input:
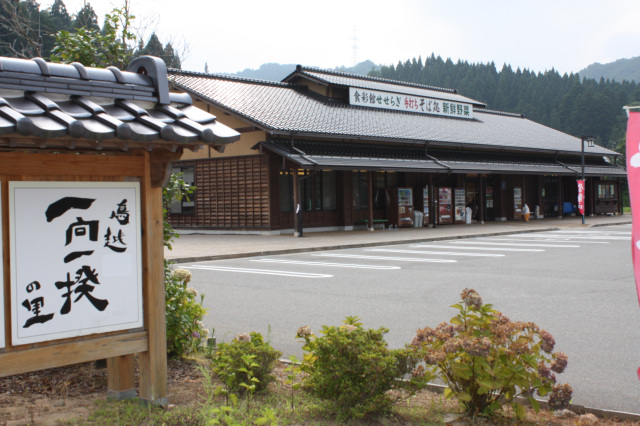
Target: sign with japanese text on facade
[
  {"x": 409, "y": 103},
  {"x": 581, "y": 196},
  {"x": 75, "y": 260}
]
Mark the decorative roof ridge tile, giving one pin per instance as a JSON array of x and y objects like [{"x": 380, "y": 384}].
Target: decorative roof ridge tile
[
  {"x": 496, "y": 112},
  {"x": 302, "y": 69},
  {"x": 220, "y": 76}
]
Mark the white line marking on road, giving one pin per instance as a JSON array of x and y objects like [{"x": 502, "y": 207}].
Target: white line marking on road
[
  {"x": 478, "y": 248},
  {"x": 547, "y": 240},
  {"x": 592, "y": 232},
  {"x": 400, "y": 259},
  {"x": 451, "y": 253},
  {"x": 259, "y": 271},
  {"x": 570, "y": 236},
  {"x": 340, "y": 265},
  {"x": 512, "y": 244}
]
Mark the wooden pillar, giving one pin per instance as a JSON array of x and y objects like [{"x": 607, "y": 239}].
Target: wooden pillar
[
  {"x": 296, "y": 203},
  {"x": 370, "y": 203},
  {"x": 152, "y": 363},
  {"x": 481, "y": 202},
  {"x": 121, "y": 377},
  {"x": 619, "y": 197},
  {"x": 430, "y": 203},
  {"x": 560, "y": 198}
]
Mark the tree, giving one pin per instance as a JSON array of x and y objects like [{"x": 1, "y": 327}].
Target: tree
[
  {"x": 19, "y": 24},
  {"x": 110, "y": 47}
]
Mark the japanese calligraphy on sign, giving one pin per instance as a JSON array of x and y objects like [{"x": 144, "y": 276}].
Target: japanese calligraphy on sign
[
  {"x": 75, "y": 259},
  {"x": 399, "y": 102}
]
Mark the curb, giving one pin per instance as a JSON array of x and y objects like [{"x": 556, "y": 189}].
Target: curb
[
  {"x": 578, "y": 409},
  {"x": 348, "y": 246}
]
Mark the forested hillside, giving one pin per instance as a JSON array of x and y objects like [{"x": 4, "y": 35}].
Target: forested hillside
[
  {"x": 620, "y": 70},
  {"x": 564, "y": 102},
  {"x": 26, "y": 31}
]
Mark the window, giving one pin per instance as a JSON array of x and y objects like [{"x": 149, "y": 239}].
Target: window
[
  {"x": 360, "y": 191},
  {"x": 187, "y": 205},
  {"x": 606, "y": 190},
  {"x": 317, "y": 190}
]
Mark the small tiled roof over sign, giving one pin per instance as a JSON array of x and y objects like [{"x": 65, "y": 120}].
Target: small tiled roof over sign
[
  {"x": 293, "y": 110},
  {"x": 48, "y": 105}
]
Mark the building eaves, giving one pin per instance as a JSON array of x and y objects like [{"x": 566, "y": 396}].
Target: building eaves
[{"x": 48, "y": 105}]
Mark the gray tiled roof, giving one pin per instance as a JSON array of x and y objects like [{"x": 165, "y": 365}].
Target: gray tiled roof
[
  {"x": 287, "y": 109},
  {"x": 381, "y": 84},
  {"x": 49, "y": 105}
]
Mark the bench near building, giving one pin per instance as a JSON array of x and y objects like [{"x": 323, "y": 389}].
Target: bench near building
[{"x": 349, "y": 150}]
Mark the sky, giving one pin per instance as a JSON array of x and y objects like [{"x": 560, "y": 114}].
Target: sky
[{"x": 232, "y": 35}]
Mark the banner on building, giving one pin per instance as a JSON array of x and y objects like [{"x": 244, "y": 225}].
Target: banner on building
[
  {"x": 633, "y": 177},
  {"x": 581, "y": 196}
]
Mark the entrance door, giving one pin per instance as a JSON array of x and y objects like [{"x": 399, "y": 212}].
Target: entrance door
[{"x": 489, "y": 201}]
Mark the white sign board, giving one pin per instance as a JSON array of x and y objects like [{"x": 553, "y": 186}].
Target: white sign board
[
  {"x": 75, "y": 260},
  {"x": 409, "y": 103}
]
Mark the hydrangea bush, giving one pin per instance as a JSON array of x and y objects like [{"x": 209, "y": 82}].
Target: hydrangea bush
[
  {"x": 230, "y": 362},
  {"x": 185, "y": 329},
  {"x": 350, "y": 368},
  {"x": 486, "y": 360}
]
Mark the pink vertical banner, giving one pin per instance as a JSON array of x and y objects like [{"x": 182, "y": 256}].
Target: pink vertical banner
[
  {"x": 581, "y": 196},
  {"x": 633, "y": 176}
]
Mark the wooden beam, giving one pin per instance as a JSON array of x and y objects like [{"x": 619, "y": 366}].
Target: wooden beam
[
  {"x": 27, "y": 360},
  {"x": 17, "y": 164},
  {"x": 296, "y": 202},
  {"x": 153, "y": 363}
]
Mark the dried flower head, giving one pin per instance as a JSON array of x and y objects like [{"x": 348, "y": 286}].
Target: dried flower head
[
  {"x": 243, "y": 337},
  {"x": 304, "y": 331},
  {"x": 559, "y": 363},
  {"x": 471, "y": 298},
  {"x": 348, "y": 327},
  {"x": 560, "y": 397},
  {"x": 548, "y": 343},
  {"x": 192, "y": 291},
  {"x": 477, "y": 346},
  {"x": 183, "y": 275}
]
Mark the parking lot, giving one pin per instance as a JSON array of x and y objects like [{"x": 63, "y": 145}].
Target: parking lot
[{"x": 575, "y": 283}]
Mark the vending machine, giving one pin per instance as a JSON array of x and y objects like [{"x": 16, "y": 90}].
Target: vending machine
[
  {"x": 460, "y": 205},
  {"x": 401, "y": 207},
  {"x": 445, "y": 209}
]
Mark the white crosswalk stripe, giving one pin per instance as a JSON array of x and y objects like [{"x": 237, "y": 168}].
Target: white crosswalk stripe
[
  {"x": 338, "y": 265},
  {"x": 259, "y": 271},
  {"x": 544, "y": 240},
  {"x": 477, "y": 248},
  {"x": 450, "y": 253},
  {"x": 399, "y": 259},
  {"x": 523, "y": 244}
]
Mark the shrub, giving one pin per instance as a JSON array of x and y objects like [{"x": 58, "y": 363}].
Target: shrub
[
  {"x": 185, "y": 330},
  {"x": 350, "y": 368},
  {"x": 486, "y": 360},
  {"x": 230, "y": 362}
]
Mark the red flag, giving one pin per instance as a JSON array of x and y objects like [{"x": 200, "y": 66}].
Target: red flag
[
  {"x": 581, "y": 196},
  {"x": 633, "y": 176}
]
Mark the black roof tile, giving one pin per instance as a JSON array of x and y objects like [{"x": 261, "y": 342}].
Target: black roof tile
[{"x": 56, "y": 102}]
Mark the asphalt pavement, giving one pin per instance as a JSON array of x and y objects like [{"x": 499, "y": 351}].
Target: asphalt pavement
[{"x": 193, "y": 246}]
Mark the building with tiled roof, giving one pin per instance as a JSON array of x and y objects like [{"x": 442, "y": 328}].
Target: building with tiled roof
[{"x": 340, "y": 145}]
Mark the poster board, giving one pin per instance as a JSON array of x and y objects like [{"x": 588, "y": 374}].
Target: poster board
[
  {"x": 75, "y": 259},
  {"x": 460, "y": 205}
]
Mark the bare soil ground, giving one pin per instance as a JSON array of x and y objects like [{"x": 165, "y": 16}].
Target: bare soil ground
[{"x": 67, "y": 395}]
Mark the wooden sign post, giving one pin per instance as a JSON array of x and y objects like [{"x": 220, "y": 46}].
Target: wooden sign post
[{"x": 81, "y": 216}]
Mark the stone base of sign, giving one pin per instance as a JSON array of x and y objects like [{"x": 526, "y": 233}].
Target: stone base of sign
[{"x": 122, "y": 395}]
